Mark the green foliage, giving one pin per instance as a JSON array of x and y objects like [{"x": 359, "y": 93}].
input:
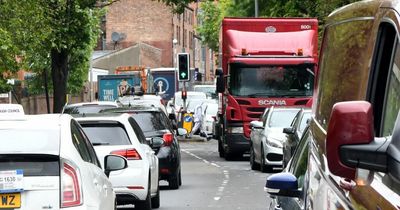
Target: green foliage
[
  {"x": 213, "y": 14},
  {"x": 178, "y": 6},
  {"x": 30, "y": 29},
  {"x": 211, "y": 17}
]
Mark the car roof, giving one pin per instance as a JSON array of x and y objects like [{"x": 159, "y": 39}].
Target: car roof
[
  {"x": 136, "y": 108},
  {"x": 45, "y": 133},
  {"x": 92, "y": 103},
  {"x": 103, "y": 116}
]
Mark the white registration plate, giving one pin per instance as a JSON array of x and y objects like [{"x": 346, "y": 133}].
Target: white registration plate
[{"x": 11, "y": 181}]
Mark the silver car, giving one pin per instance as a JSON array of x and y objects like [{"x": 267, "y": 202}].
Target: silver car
[{"x": 267, "y": 137}]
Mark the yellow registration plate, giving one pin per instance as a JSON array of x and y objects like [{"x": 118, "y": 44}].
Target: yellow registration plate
[{"x": 10, "y": 200}]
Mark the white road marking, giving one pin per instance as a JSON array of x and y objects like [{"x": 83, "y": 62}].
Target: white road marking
[{"x": 217, "y": 198}]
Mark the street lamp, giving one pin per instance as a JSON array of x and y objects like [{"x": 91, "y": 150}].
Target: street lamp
[{"x": 174, "y": 42}]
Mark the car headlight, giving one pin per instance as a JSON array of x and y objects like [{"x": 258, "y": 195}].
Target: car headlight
[
  {"x": 235, "y": 130},
  {"x": 274, "y": 143}
]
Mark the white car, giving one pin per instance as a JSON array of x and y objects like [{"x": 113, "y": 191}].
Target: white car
[
  {"x": 267, "y": 137},
  {"x": 209, "y": 115},
  {"x": 154, "y": 100},
  {"x": 116, "y": 133},
  {"x": 176, "y": 103},
  {"x": 47, "y": 162},
  {"x": 89, "y": 107},
  {"x": 209, "y": 90}
]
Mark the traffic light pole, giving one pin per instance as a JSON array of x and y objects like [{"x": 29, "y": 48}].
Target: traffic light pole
[{"x": 184, "y": 99}]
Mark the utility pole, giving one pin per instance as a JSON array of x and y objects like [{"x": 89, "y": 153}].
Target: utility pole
[{"x": 255, "y": 8}]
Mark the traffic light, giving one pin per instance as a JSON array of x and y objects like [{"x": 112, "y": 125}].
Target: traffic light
[{"x": 183, "y": 67}]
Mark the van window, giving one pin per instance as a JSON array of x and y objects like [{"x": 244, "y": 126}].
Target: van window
[
  {"x": 392, "y": 97},
  {"x": 341, "y": 58}
]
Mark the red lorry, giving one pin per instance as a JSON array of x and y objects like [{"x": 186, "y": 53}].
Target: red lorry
[{"x": 264, "y": 62}]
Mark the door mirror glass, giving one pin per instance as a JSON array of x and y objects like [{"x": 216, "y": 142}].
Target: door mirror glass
[
  {"x": 114, "y": 163},
  {"x": 156, "y": 142},
  {"x": 182, "y": 131}
]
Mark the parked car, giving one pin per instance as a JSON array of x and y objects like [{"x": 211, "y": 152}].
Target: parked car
[
  {"x": 119, "y": 134},
  {"x": 156, "y": 125},
  {"x": 88, "y": 107},
  {"x": 297, "y": 166},
  {"x": 266, "y": 137},
  {"x": 50, "y": 163},
  {"x": 353, "y": 160},
  {"x": 294, "y": 133}
]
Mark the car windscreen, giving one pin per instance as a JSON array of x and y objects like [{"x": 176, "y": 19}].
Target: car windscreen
[
  {"x": 151, "y": 121},
  {"x": 282, "y": 118},
  {"x": 31, "y": 164},
  {"x": 106, "y": 133},
  {"x": 87, "y": 109}
]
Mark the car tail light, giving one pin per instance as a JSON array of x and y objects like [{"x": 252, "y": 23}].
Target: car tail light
[
  {"x": 70, "y": 189},
  {"x": 130, "y": 154},
  {"x": 168, "y": 138}
]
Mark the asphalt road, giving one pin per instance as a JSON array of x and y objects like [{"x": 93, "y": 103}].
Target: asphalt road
[{"x": 210, "y": 182}]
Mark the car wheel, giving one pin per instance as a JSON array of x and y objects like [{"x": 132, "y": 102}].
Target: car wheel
[
  {"x": 180, "y": 178},
  {"x": 229, "y": 156},
  {"x": 155, "y": 201},
  {"x": 263, "y": 167},
  {"x": 253, "y": 164},
  {"x": 221, "y": 149},
  {"x": 173, "y": 181},
  {"x": 146, "y": 204}
]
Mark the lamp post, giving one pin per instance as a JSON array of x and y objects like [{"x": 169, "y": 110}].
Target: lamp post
[
  {"x": 174, "y": 42},
  {"x": 255, "y": 8}
]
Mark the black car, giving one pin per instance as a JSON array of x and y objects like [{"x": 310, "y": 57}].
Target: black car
[
  {"x": 294, "y": 133},
  {"x": 156, "y": 126}
]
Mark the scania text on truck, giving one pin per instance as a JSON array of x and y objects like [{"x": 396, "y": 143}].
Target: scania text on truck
[{"x": 264, "y": 62}]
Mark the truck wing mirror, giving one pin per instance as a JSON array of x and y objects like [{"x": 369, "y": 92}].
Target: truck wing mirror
[{"x": 220, "y": 86}]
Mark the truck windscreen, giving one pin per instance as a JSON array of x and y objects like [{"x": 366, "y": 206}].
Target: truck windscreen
[{"x": 271, "y": 81}]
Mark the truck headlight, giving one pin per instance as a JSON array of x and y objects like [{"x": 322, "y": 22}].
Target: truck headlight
[
  {"x": 274, "y": 143},
  {"x": 235, "y": 130}
]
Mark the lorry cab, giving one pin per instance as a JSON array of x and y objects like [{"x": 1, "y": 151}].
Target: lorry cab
[
  {"x": 354, "y": 135},
  {"x": 265, "y": 62}
]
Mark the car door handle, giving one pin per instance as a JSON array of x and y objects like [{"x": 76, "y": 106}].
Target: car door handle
[{"x": 95, "y": 182}]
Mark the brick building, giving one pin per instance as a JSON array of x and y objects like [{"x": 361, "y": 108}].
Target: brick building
[{"x": 129, "y": 22}]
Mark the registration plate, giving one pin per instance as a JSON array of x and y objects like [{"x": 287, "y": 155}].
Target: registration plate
[
  {"x": 11, "y": 181},
  {"x": 10, "y": 200}
]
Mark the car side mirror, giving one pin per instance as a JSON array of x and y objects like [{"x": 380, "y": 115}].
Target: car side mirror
[
  {"x": 114, "y": 163},
  {"x": 282, "y": 184},
  {"x": 156, "y": 142},
  {"x": 350, "y": 123},
  {"x": 256, "y": 125},
  {"x": 220, "y": 86},
  {"x": 182, "y": 131},
  {"x": 288, "y": 130}
]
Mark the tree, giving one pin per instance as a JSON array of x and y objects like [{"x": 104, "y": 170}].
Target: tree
[{"x": 212, "y": 13}]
